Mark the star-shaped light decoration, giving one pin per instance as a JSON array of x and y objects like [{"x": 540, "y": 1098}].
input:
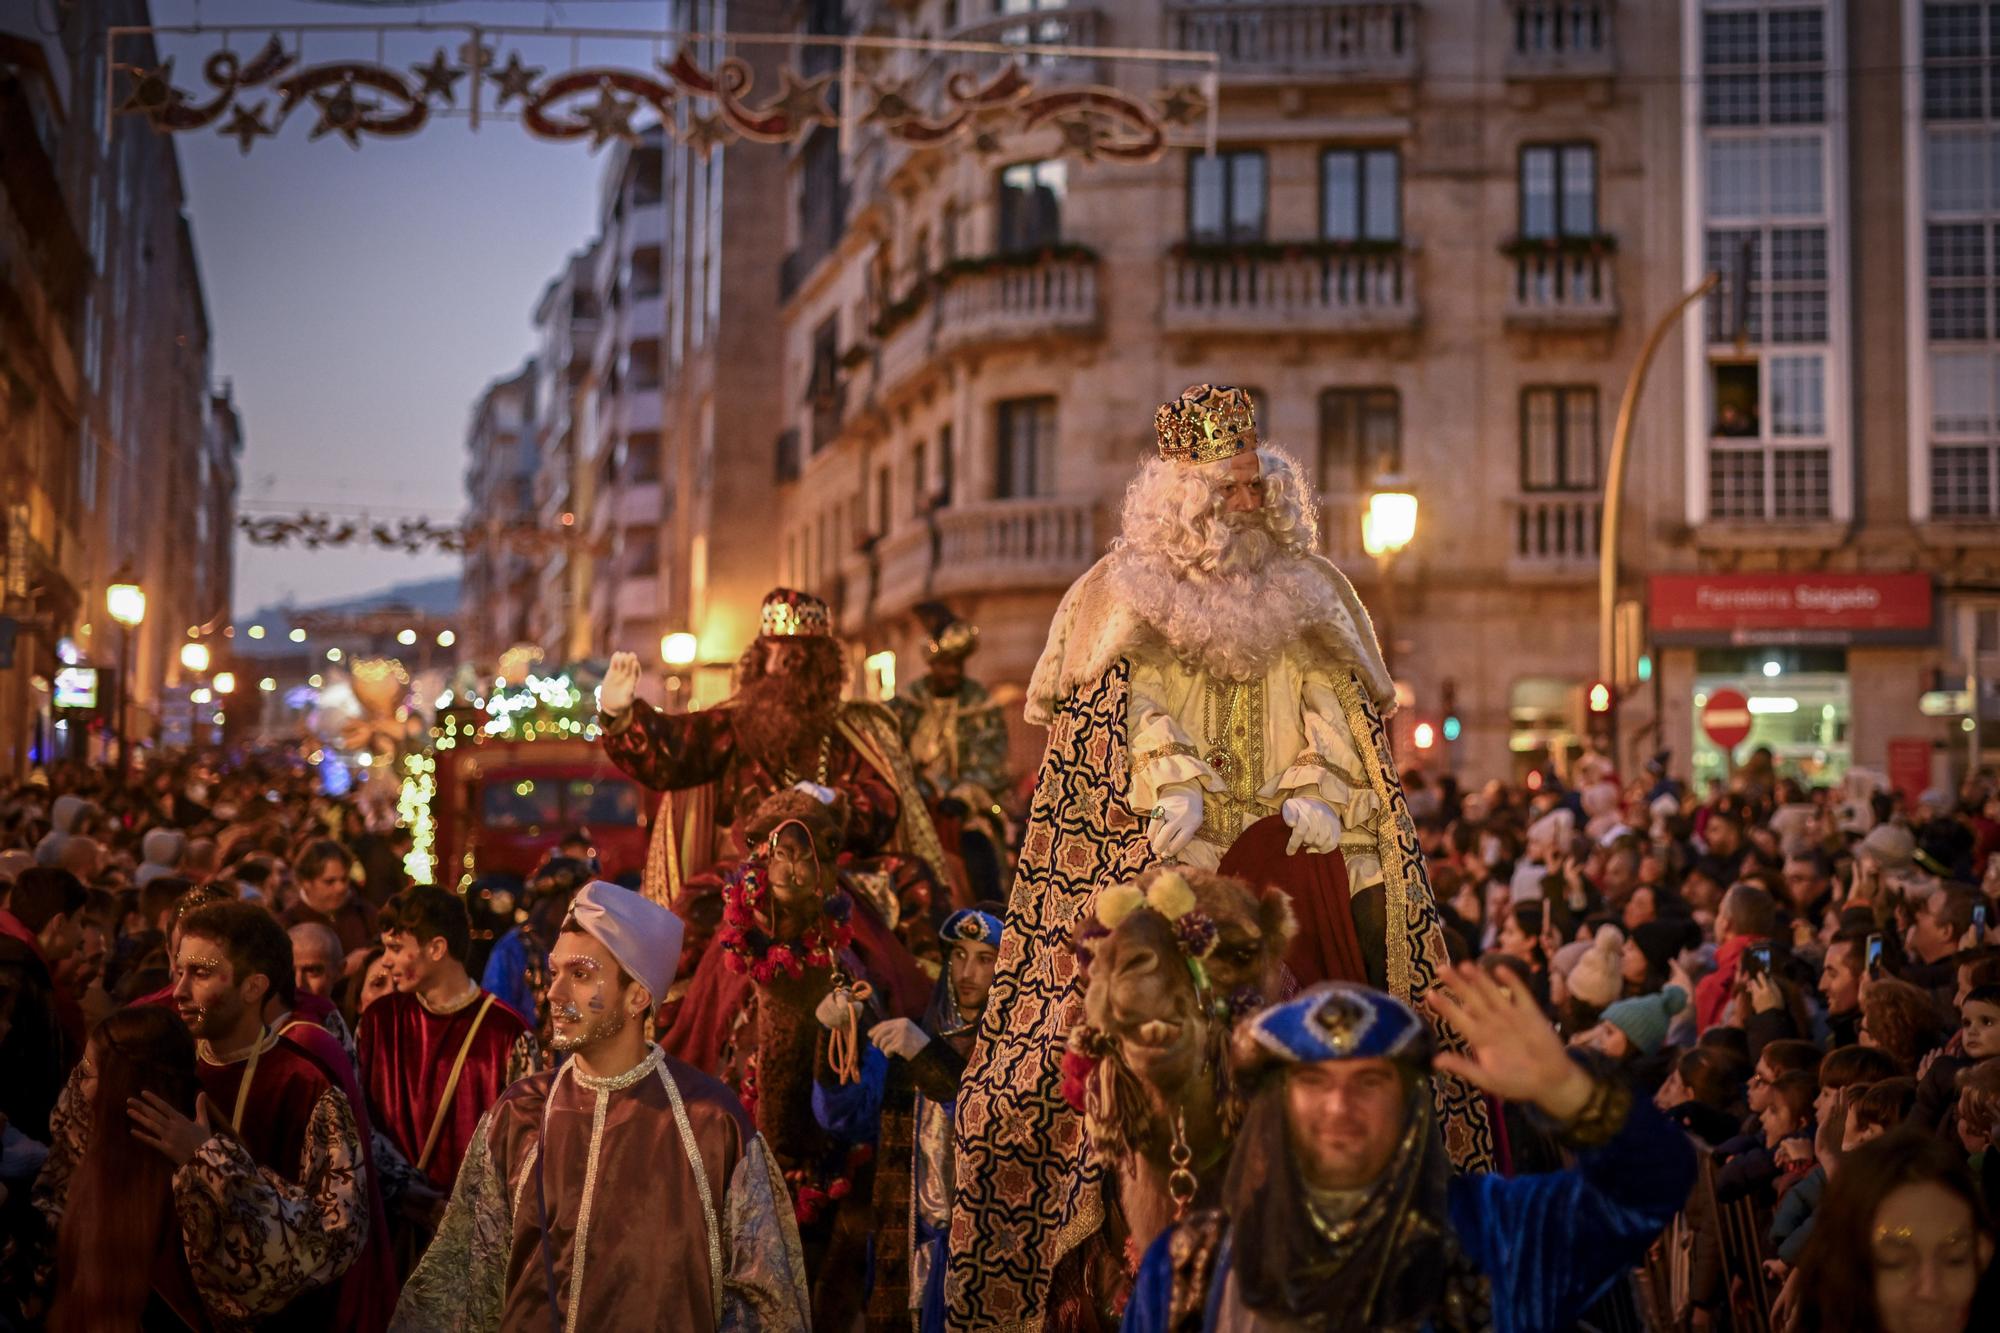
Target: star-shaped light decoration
[
  {"x": 801, "y": 102},
  {"x": 340, "y": 113},
  {"x": 610, "y": 117},
  {"x": 1182, "y": 104},
  {"x": 246, "y": 125},
  {"x": 152, "y": 92},
  {"x": 514, "y": 80},
  {"x": 892, "y": 105},
  {"x": 706, "y": 133},
  {"x": 439, "y": 78},
  {"x": 1081, "y": 134}
]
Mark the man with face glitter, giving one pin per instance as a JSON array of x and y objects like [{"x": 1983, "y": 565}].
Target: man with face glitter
[
  {"x": 271, "y": 1176},
  {"x": 623, "y": 1190},
  {"x": 1215, "y": 697}
]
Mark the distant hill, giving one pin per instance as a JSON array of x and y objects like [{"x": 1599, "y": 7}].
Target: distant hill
[{"x": 431, "y": 597}]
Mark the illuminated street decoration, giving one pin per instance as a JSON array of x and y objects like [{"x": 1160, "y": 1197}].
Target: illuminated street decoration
[
  {"x": 413, "y": 536},
  {"x": 1008, "y": 103}
]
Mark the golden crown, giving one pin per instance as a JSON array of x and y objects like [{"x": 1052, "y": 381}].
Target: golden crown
[
  {"x": 956, "y": 640},
  {"x": 788, "y": 612},
  {"x": 1206, "y": 424}
]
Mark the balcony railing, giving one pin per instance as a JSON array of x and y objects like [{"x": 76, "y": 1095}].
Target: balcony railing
[
  {"x": 1349, "y": 293},
  {"x": 1072, "y": 25},
  {"x": 1560, "y": 39},
  {"x": 1359, "y": 41},
  {"x": 1557, "y": 290},
  {"x": 1555, "y": 534},
  {"x": 1011, "y": 302},
  {"x": 984, "y": 547}
]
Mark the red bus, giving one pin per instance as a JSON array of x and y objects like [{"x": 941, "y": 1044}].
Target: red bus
[{"x": 502, "y": 806}]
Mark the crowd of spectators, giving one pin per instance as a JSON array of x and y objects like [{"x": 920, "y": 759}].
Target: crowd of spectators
[{"x": 1807, "y": 980}]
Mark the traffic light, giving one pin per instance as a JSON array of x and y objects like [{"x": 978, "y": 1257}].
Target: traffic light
[
  {"x": 1451, "y": 728},
  {"x": 1599, "y": 697},
  {"x": 1448, "y": 699},
  {"x": 1424, "y": 736}
]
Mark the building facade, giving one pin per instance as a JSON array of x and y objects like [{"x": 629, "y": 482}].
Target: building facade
[
  {"x": 502, "y": 568},
  {"x": 1429, "y": 242},
  {"x": 121, "y": 450}
]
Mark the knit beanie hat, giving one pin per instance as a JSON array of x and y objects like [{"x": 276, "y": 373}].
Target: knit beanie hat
[
  {"x": 1644, "y": 1018},
  {"x": 1597, "y": 978}
]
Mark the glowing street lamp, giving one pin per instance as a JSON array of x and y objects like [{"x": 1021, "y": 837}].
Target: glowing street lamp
[
  {"x": 224, "y": 682},
  {"x": 195, "y": 657},
  {"x": 125, "y": 603},
  {"x": 407, "y": 637},
  {"x": 677, "y": 650},
  {"x": 1387, "y": 526}
]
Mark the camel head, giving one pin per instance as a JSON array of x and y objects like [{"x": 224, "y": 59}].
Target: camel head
[{"x": 1167, "y": 961}]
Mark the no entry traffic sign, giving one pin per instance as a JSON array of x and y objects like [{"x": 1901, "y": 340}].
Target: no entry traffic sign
[{"x": 1726, "y": 719}]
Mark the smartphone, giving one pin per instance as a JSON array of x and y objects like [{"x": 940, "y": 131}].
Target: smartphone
[
  {"x": 1873, "y": 957},
  {"x": 1979, "y": 917},
  {"x": 1757, "y": 962}
]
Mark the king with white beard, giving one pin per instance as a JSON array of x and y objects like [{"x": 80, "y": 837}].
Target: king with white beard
[{"x": 1211, "y": 671}]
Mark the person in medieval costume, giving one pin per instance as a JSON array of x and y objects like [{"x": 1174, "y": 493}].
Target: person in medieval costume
[
  {"x": 902, "y": 1103},
  {"x": 785, "y": 725},
  {"x": 1215, "y": 696},
  {"x": 623, "y": 1190},
  {"x": 1340, "y": 1210},
  {"x": 957, "y": 741}
]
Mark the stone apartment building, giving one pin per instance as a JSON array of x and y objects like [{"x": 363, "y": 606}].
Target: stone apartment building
[
  {"x": 121, "y": 450},
  {"x": 502, "y": 576},
  {"x": 1429, "y": 241}
]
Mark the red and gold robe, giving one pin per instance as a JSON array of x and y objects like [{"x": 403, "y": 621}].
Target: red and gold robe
[
  {"x": 697, "y": 754},
  {"x": 663, "y": 1210},
  {"x": 275, "y": 1216},
  {"x": 408, "y": 1052}
]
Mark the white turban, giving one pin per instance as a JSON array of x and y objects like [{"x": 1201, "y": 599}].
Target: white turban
[{"x": 643, "y": 936}]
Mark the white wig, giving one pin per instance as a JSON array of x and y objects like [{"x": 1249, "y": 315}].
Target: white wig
[{"x": 1228, "y": 597}]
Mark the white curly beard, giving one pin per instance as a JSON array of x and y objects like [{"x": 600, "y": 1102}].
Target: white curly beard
[{"x": 1236, "y": 612}]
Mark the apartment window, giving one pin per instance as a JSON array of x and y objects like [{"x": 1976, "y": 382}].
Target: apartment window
[
  {"x": 822, "y": 200},
  {"x": 824, "y": 391},
  {"x": 1361, "y": 195},
  {"x": 1960, "y": 43},
  {"x": 1764, "y": 66},
  {"x": 1025, "y": 460},
  {"x": 1965, "y": 432},
  {"x": 920, "y": 481},
  {"x": 1225, "y": 197},
  {"x": 1558, "y": 191},
  {"x": 1031, "y": 203},
  {"x": 1559, "y": 438},
  {"x": 883, "y": 494},
  {"x": 1360, "y": 438},
  {"x": 947, "y": 467}
]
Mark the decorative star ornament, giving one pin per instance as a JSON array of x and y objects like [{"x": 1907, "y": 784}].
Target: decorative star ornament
[
  {"x": 801, "y": 102},
  {"x": 892, "y": 105},
  {"x": 152, "y": 92},
  {"x": 1182, "y": 104},
  {"x": 340, "y": 113},
  {"x": 609, "y": 117},
  {"x": 246, "y": 125},
  {"x": 706, "y": 133},
  {"x": 439, "y": 78},
  {"x": 514, "y": 80}
]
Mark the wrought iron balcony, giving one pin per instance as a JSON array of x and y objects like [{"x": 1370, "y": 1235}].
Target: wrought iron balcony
[{"x": 1561, "y": 290}]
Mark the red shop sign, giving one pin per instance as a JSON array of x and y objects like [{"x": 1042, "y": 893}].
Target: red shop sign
[{"x": 1837, "y": 608}]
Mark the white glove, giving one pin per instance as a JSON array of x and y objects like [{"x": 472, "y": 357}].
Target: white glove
[
  {"x": 824, "y": 795},
  {"x": 1176, "y": 819},
  {"x": 832, "y": 1011},
  {"x": 900, "y": 1037},
  {"x": 1314, "y": 825},
  {"x": 620, "y": 685}
]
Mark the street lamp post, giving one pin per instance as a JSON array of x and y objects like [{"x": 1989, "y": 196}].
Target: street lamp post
[
  {"x": 1387, "y": 526},
  {"x": 125, "y": 603},
  {"x": 678, "y": 651}
]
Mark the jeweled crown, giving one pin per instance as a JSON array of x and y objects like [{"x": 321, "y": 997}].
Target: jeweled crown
[
  {"x": 1206, "y": 424},
  {"x": 787, "y": 612}
]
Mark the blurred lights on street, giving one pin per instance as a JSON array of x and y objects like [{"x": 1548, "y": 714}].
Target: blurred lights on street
[
  {"x": 195, "y": 657},
  {"x": 1425, "y": 736},
  {"x": 446, "y": 638},
  {"x": 256, "y": 631},
  {"x": 298, "y": 636},
  {"x": 268, "y": 684},
  {"x": 225, "y": 682},
  {"x": 333, "y": 654},
  {"x": 1763, "y": 704},
  {"x": 407, "y": 637},
  {"x": 201, "y": 696},
  {"x": 1772, "y": 669}
]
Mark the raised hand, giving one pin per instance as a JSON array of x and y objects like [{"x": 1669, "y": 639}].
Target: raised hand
[
  {"x": 620, "y": 685},
  {"x": 160, "y": 1127},
  {"x": 1512, "y": 1050}
]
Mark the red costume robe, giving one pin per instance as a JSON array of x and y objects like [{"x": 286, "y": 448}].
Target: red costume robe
[
  {"x": 275, "y": 1216},
  {"x": 407, "y": 1056},
  {"x": 663, "y": 1210}
]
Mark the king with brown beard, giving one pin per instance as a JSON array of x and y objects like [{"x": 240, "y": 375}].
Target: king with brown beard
[
  {"x": 786, "y": 727},
  {"x": 1215, "y": 695}
]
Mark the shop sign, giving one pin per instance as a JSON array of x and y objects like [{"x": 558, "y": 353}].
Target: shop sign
[
  {"x": 1726, "y": 718},
  {"x": 1910, "y": 766},
  {"x": 1766, "y": 609}
]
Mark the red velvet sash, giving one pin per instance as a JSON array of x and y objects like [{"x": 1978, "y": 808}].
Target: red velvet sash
[{"x": 1327, "y": 947}]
